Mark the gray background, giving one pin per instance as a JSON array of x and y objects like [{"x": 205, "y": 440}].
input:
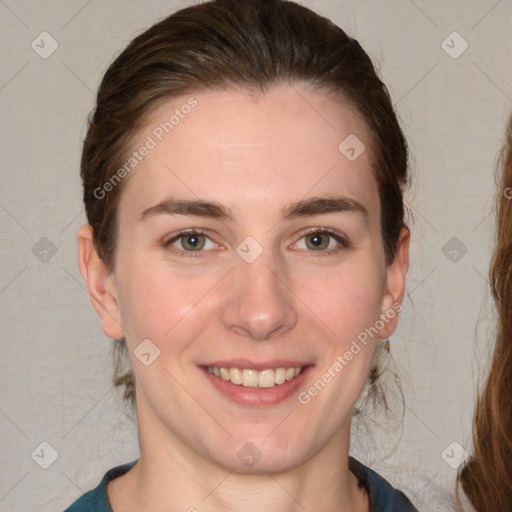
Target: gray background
[{"x": 55, "y": 364}]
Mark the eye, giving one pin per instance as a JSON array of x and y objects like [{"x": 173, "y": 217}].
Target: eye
[
  {"x": 321, "y": 240},
  {"x": 190, "y": 241}
]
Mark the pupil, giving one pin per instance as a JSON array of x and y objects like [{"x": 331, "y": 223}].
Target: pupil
[
  {"x": 316, "y": 240},
  {"x": 193, "y": 241}
]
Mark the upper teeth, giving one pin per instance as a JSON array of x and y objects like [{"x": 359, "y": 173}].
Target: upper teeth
[{"x": 254, "y": 378}]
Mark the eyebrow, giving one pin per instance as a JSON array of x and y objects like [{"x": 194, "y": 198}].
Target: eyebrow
[
  {"x": 214, "y": 210},
  {"x": 324, "y": 205},
  {"x": 196, "y": 207}
]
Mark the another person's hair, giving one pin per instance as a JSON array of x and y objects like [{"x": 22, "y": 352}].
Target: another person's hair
[
  {"x": 248, "y": 45},
  {"x": 487, "y": 476}
]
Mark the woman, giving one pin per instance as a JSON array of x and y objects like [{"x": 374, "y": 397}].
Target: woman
[
  {"x": 243, "y": 174},
  {"x": 486, "y": 478}
]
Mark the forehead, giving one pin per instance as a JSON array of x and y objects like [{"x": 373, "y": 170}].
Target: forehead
[{"x": 245, "y": 149}]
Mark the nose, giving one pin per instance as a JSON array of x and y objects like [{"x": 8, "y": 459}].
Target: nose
[{"x": 259, "y": 303}]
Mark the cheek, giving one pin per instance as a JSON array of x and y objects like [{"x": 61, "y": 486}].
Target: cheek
[
  {"x": 161, "y": 304},
  {"x": 347, "y": 299},
  {"x": 348, "y": 304}
]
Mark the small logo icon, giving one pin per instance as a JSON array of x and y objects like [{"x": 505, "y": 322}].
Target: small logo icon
[
  {"x": 44, "y": 45},
  {"x": 454, "y": 249},
  {"x": 45, "y": 455},
  {"x": 249, "y": 454},
  {"x": 249, "y": 249},
  {"x": 352, "y": 147},
  {"x": 45, "y": 249},
  {"x": 146, "y": 352},
  {"x": 454, "y": 455},
  {"x": 454, "y": 45}
]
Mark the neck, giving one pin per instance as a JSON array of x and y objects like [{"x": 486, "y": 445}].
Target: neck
[{"x": 170, "y": 476}]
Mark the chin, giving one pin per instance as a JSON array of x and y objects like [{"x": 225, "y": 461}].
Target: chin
[{"x": 260, "y": 456}]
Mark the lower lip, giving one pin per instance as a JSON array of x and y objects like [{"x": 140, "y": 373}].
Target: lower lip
[{"x": 258, "y": 396}]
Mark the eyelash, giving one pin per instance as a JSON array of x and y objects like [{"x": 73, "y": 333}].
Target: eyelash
[
  {"x": 181, "y": 234},
  {"x": 340, "y": 239}
]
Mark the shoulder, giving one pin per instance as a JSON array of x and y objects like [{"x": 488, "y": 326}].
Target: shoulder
[
  {"x": 96, "y": 500},
  {"x": 383, "y": 496}
]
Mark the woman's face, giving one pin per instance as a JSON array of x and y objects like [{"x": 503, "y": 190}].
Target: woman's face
[{"x": 249, "y": 245}]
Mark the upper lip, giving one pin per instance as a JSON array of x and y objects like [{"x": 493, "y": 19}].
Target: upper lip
[{"x": 259, "y": 365}]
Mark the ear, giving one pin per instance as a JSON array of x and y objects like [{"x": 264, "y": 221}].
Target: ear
[
  {"x": 100, "y": 283},
  {"x": 395, "y": 286}
]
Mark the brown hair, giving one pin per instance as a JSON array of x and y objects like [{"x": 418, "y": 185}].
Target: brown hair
[
  {"x": 252, "y": 45},
  {"x": 487, "y": 476}
]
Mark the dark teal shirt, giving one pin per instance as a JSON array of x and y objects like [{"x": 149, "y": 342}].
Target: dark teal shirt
[{"x": 383, "y": 497}]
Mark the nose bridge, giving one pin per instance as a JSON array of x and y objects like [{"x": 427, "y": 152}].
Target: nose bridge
[{"x": 259, "y": 303}]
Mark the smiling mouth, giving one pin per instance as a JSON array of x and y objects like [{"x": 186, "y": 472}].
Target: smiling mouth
[{"x": 250, "y": 378}]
